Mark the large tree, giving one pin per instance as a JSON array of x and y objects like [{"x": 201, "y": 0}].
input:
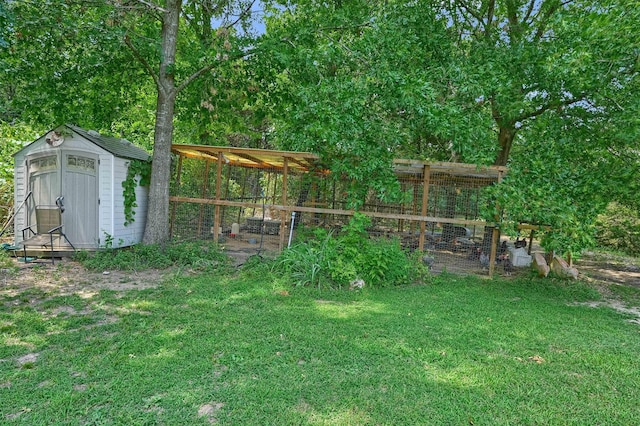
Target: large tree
[
  {"x": 215, "y": 47},
  {"x": 541, "y": 57},
  {"x": 515, "y": 82},
  {"x": 93, "y": 62}
]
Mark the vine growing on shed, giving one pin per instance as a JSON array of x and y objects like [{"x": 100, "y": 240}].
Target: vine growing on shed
[{"x": 136, "y": 168}]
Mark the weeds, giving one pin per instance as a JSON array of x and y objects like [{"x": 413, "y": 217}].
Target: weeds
[
  {"x": 328, "y": 260},
  {"x": 201, "y": 256}
]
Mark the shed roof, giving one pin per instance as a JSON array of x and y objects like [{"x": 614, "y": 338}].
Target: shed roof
[
  {"x": 118, "y": 147},
  {"x": 251, "y": 157}
]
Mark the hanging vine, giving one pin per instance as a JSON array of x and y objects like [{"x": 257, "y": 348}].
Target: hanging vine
[{"x": 136, "y": 168}]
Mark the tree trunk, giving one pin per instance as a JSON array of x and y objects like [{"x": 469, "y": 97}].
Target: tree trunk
[
  {"x": 505, "y": 138},
  {"x": 157, "y": 226}
]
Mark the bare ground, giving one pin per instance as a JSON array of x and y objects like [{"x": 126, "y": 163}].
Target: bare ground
[
  {"x": 610, "y": 269},
  {"x": 68, "y": 277}
]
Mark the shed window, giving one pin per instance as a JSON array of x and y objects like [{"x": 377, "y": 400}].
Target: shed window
[
  {"x": 43, "y": 164},
  {"x": 79, "y": 162}
]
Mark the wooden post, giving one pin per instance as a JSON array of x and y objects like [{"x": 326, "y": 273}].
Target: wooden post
[
  {"x": 205, "y": 186},
  {"x": 226, "y": 192},
  {"x": 175, "y": 204},
  {"x": 403, "y": 187},
  {"x": 283, "y": 213},
  {"x": 244, "y": 186},
  {"x": 414, "y": 207},
  {"x": 425, "y": 200},
  {"x": 216, "y": 219}
]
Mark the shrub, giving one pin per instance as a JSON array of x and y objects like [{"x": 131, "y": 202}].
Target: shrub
[
  {"x": 619, "y": 229},
  {"x": 328, "y": 260}
]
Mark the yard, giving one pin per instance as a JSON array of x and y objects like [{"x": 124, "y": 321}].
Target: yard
[{"x": 244, "y": 347}]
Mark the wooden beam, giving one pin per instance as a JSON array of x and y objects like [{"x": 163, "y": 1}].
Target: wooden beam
[
  {"x": 426, "y": 171},
  {"x": 205, "y": 185},
  {"x": 259, "y": 162},
  {"x": 283, "y": 213},
  {"x": 417, "y": 218},
  {"x": 214, "y": 150},
  {"x": 216, "y": 219}
]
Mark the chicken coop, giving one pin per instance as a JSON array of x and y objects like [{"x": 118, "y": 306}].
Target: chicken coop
[{"x": 261, "y": 200}]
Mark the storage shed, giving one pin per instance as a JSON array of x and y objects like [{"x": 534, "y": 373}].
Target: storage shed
[{"x": 80, "y": 171}]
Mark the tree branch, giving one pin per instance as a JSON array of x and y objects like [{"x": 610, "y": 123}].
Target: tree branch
[
  {"x": 466, "y": 19},
  {"x": 211, "y": 66},
  {"x": 529, "y": 11},
  {"x": 153, "y": 6},
  {"x": 491, "y": 7},
  {"x": 473, "y": 13},
  {"x": 544, "y": 20},
  {"x": 549, "y": 106},
  {"x": 241, "y": 15},
  {"x": 141, "y": 59}
]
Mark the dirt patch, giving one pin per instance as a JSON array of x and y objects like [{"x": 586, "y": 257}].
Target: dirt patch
[
  {"x": 610, "y": 269},
  {"x": 616, "y": 305},
  {"x": 68, "y": 277},
  {"x": 210, "y": 411}
]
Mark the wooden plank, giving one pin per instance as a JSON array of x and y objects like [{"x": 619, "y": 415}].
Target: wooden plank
[
  {"x": 258, "y": 161},
  {"x": 425, "y": 200},
  {"x": 394, "y": 216},
  {"x": 213, "y": 150},
  {"x": 527, "y": 226},
  {"x": 540, "y": 264},
  {"x": 439, "y": 166},
  {"x": 205, "y": 185},
  {"x": 283, "y": 213},
  {"x": 216, "y": 219}
]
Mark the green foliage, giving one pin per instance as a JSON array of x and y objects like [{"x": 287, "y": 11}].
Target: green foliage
[
  {"x": 138, "y": 173},
  {"x": 12, "y": 138},
  {"x": 618, "y": 228},
  {"x": 328, "y": 260},
  {"x": 548, "y": 89},
  {"x": 5, "y": 260},
  {"x": 200, "y": 256}
]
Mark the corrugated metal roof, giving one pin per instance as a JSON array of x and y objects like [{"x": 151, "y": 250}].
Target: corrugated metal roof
[{"x": 118, "y": 147}]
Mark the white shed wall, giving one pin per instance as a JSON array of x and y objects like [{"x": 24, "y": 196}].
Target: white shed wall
[
  {"x": 19, "y": 193},
  {"x": 132, "y": 232},
  {"x": 105, "y": 194},
  {"x": 112, "y": 171}
]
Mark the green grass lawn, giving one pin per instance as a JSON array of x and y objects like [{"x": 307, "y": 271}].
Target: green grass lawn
[{"x": 246, "y": 349}]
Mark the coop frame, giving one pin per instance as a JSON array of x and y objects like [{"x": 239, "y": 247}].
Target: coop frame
[{"x": 424, "y": 174}]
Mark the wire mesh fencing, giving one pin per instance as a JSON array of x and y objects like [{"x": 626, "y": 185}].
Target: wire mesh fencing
[{"x": 259, "y": 201}]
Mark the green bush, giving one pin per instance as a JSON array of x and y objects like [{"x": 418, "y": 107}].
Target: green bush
[
  {"x": 5, "y": 260},
  {"x": 197, "y": 255},
  {"x": 619, "y": 229},
  {"x": 328, "y": 260}
]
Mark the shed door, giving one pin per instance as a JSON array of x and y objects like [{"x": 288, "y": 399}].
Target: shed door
[
  {"x": 80, "y": 190},
  {"x": 44, "y": 183}
]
